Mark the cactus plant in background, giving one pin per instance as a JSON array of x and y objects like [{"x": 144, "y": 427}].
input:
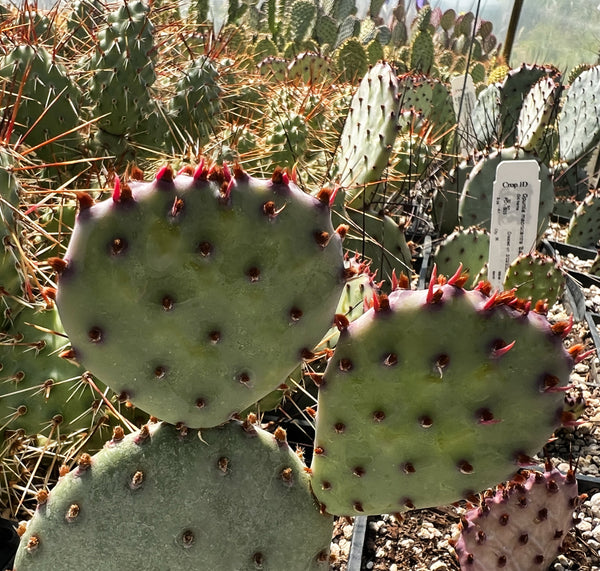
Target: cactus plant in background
[
  {"x": 196, "y": 106},
  {"x": 535, "y": 277},
  {"x": 46, "y": 101},
  {"x": 469, "y": 247},
  {"x": 575, "y": 140},
  {"x": 124, "y": 56},
  {"x": 12, "y": 266},
  {"x": 38, "y": 386},
  {"x": 368, "y": 135},
  {"x": 584, "y": 225}
]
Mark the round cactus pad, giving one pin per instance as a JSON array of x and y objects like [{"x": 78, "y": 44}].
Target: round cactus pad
[
  {"x": 231, "y": 497},
  {"x": 452, "y": 388},
  {"x": 521, "y": 524},
  {"x": 194, "y": 296}
]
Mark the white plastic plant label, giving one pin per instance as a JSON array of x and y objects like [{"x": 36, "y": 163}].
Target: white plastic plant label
[
  {"x": 515, "y": 206},
  {"x": 463, "y": 100}
]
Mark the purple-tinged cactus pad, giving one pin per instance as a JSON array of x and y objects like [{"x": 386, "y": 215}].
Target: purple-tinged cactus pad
[
  {"x": 520, "y": 525},
  {"x": 194, "y": 296},
  {"x": 432, "y": 396},
  {"x": 230, "y": 497}
]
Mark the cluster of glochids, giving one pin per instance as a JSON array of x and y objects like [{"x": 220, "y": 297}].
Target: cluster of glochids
[{"x": 180, "y": 268}]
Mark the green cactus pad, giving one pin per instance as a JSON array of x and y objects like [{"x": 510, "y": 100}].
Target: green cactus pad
[
  {"x": 485, "y": 119},
  {"x": 158, "y": 499},
  {"x": 369, "y": 133},
  {"x": 265, "y": 47},
  {"x": 287, "y": 142},
  {"x": 360, "y": 288},
  {"x": 11, "y": 251},
  {"x": 422, "y": 52},
  {"x": 447, "y": 19},
  {"x": 539, "y": 105},
  {"x": 469, "y": 247},
  {"x": 302, "y": 18},
  {"x": 513, "y": 91},
  {"x": 350, "y": 60},
  {"x": 208, "y": 290},
  {"x": 196, "y": 106},
  {"x": 452, "y": 389},
  {"x": 478, "y": 72},
  {"x": 40, "y": 390},
  {"x": 445, "y": 198},
  {"x": 579, "y": 118},
  {"x": 415, "y": 91},
  {"x": 325, "y": 30},
  {"x": 309, "y": 68},
  {"x": 274, "y": 67},
  {"x": 82, "y": 23},
  {"x": 123, "y": 57},
  {"x": 584, "y": 225},
  {"x": 535, "y": 277},
  {"x": 48, "y": 104}
]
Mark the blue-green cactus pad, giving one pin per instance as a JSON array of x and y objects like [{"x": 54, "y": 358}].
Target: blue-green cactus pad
[
  {"x": 232, "y": 497},
  {"x": 196, "y": 296},
  {"x": 425, "y": 402}
]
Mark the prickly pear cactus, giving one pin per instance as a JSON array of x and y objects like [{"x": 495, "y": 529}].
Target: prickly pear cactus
[
  {"x": 47, "y": 105},
  {"x": 513, "y": 95},
  {"x": 446, "y": 198},
  {"x": 380, "y": 238},
  {"x": 486, "y": 116},
  {"x": 535, "y": 277},
  {"x": 369, "y": 133},
  {"x": 578, "y": 121},
  {"x": 469, "y": 247},
  {"x": 274, "y": 67},
  {"x": 196, "y": 106},
  {"x": 428, "y": 379},
  {"x": 287, "y": 142},
  {"x": 82, "y": 23},
  {"x": 351, "y": 60},
  {"x": 309, "y": 68},
  {"x": 422, "y": 50},
  {"x": 359, "y": 289},
  {"x": 539, "y": 105},
  {"x": 12, "y": 277},
  {"x": 209, "y": 288},
  {"x": 584, "y": 225},
  {"x": 41, "y": 391},
  {"x": 122, "y": 69},
  {"x": 165, "y": 500},
  {"x": 520, "y": 525},
  {"x": 302, "y": 18}
]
